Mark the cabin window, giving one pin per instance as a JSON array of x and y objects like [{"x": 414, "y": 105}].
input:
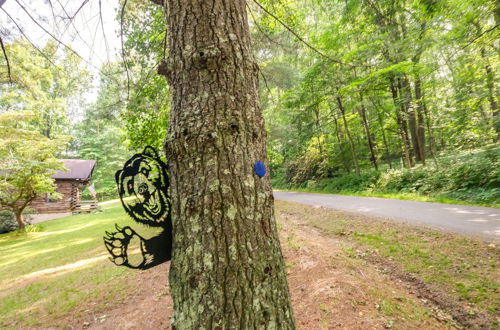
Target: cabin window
[{"x": 50, "y": 200}]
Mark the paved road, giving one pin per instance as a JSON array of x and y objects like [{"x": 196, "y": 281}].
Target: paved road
[{"x": 472, "y": 220}]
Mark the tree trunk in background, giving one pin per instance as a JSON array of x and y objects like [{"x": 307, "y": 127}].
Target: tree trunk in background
[
  {"x": 490, "y": 77},
  {"x": 227, "y": 269},
  {"x": 408, "y": 110},
  {"x": 401, "y": 121},
  {"x": 351, "y": 142},
  {"x": 369, "y": 137},
  {"x": 317, "y": 122},
  {"x": 420, "y": 109},
  {"x": 497, "y": 12},
  {"x": 341, "y": 144},
  {"x": 384, "y": 138},
  {"x": 430, "y": 133},
  {"x": 20, "y": 218},
  {"x": 490, "y": 84}
]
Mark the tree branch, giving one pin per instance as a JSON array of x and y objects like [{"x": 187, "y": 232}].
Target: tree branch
[
  {"x": 124, "y": 56},
  {"x": 28, "y": 39},
  {"x": 300, "y": 38},
  {"x": 6, "y": 59},
  {"x": 51, "y": 35}
]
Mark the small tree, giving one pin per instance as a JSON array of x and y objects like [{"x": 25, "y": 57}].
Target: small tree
[{"x": 27, "y": 163}]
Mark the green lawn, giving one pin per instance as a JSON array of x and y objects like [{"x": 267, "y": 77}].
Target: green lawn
[{"x": 45, "y": 274}]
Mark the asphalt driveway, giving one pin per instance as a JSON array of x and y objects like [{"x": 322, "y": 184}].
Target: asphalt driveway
[{"x": 471, "y": 220}]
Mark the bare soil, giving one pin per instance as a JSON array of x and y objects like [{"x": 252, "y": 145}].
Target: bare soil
[{"x": 330, "y": 288}]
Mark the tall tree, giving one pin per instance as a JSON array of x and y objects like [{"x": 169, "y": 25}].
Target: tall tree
[
  {"x": 50, "y": 86},
  {"x": 227, "y": 268},
  {"x": 100, "y": 135}
]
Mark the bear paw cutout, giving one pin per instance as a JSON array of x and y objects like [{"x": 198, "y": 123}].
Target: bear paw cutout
[{"x": 118, "y": 243}]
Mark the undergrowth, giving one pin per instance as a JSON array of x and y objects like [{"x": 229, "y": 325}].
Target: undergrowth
[{"x": 473, "y": 177}]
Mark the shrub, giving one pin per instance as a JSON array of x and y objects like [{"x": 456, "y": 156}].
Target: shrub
[
  {"x": 472, "y": 176},
  {"x": 479, "y": 195},
  {"x": 403, "y": 180},
  {"x": 7, "y": 221},
  {"x": 349, "y": 182}
]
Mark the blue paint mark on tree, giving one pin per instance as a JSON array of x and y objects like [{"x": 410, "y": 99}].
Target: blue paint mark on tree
[{"x": 260, "y": 169}]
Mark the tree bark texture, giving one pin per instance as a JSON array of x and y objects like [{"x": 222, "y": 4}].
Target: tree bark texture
[{"x": 227, "y": 269}]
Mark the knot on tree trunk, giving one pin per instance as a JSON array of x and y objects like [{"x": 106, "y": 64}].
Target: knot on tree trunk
[
  {"x": 208, "y": 58},
  {"x": 163, "y": 68}
]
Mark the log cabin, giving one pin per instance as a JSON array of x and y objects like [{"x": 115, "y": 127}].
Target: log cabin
[{"x": 69, "y": 184}]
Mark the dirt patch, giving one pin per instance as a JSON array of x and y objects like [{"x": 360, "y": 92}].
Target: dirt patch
[
  {"x": 332, "y": 290},
  {"x": 447, "y": 262},
  {"x": 147, "y": 306},
  {"x": 445, "y": 306}
]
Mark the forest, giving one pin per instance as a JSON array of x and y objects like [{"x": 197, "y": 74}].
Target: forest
[
  {"x": 383, "y": 98},
  {"x": 390, "y": 97}
]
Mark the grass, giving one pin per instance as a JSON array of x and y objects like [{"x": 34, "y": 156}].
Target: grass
[
  {"x": 465, "y": 268},
  {"x": 45, "y": 274}
]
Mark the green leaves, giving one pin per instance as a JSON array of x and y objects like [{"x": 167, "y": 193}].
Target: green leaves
[
  {"x": 46, "y": 86},
  {"x": 404, "y": 68},
  {"x": 26, "y": 160}
]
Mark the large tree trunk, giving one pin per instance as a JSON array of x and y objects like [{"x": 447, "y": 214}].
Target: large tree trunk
[{"x": 227, "y": 269}]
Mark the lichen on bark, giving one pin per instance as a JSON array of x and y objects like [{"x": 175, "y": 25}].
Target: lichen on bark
[{"x": 227, "y": 268}]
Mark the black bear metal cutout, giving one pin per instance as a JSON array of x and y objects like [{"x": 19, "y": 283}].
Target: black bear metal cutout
[{"x": 143, "y": 186}]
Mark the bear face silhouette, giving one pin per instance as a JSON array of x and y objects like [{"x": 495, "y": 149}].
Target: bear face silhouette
[{"x": 143, "y": 188}]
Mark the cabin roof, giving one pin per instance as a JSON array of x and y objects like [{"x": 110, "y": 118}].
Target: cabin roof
[{"x": 79, "y": 169}]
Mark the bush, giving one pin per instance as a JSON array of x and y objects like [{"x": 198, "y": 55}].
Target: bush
[
  {"x": 402, "y": 180},
  {"x": 7, "y": 221},
  {"x": 349, "y": 182},
  {"x": 472, "y": 176},
  {"x": 479, "y": 195}
]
